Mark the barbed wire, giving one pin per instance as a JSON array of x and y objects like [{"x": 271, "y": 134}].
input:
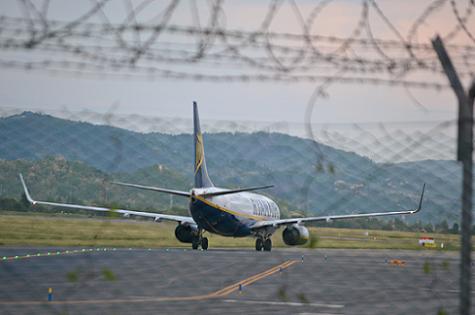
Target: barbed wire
[{"x": 97, "y": 44}]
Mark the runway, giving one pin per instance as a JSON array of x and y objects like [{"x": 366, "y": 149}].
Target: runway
[{"x": 178, "y": 281}]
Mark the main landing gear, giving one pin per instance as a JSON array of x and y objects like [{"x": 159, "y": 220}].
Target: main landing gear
[
  {"x": 263, "y": 244},
  {"x": 199, "y": 240}
]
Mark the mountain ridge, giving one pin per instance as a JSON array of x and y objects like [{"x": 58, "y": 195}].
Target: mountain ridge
[{"x": 307, "y": 175}]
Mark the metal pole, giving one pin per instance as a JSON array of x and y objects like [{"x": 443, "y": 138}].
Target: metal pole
[
  {"x": 464, "y": 154},
  {"x": 466, "y": 261}
]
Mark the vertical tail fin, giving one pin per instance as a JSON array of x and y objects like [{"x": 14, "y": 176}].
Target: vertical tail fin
[{"x": 201, "y": 173}]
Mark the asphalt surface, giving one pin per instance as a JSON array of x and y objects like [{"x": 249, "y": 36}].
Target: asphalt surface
[{"x": 177, "y": 281}]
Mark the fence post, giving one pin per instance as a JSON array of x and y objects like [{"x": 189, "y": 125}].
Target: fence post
[{"x": 464, "y": 154}]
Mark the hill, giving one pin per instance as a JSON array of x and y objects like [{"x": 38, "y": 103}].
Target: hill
[{"x": 70, "y": 160}]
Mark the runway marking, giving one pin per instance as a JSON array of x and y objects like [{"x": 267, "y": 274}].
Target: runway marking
[
  {"x": 286, "y": 303},
  {"x": 57, "y": 253},
  {"x": 233, "y": 287},
  {"x": 216, "y": 294}
]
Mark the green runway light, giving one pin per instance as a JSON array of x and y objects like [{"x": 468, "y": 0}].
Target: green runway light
[
  {"x": 4, "y": 258},
  {"x": 57, "y": 253},
  {"x": 49, "y": 253},
  {"x": 16, "y": 257}
]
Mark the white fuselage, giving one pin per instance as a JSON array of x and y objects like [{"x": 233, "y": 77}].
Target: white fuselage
[{"x": 245, "y": 204}]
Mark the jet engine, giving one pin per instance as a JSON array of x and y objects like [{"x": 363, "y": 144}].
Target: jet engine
[
  {"x": 295, "y": 235},
  {"x": 185, "y": 233}
]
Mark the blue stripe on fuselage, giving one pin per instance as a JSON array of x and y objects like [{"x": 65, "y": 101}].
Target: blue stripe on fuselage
[{"x": 217, "y": 221}]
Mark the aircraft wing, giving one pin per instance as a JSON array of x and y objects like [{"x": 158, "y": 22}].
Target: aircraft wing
[
  {"x": 329, "y": 218},
  {"x": 155, "y": 216}
]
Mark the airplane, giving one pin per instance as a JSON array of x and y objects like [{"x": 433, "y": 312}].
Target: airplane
[{"x": 227, "y": 212}]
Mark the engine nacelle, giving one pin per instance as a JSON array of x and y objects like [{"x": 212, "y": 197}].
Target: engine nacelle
[
  {"x": 295, "y": 235},
  {"x": 185, "y": 233}
]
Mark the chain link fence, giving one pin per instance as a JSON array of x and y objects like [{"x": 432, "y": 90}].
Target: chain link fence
[
  {"x": 122, "y": 265},
  {"x": 60, "y": 261}
]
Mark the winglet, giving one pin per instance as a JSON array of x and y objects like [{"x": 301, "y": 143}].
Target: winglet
[
  {"x": 27, "y": 194},
  {"x": 422, "y": 197}
]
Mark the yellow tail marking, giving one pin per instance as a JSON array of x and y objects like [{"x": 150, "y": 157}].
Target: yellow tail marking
[{"x": 199, "y": 152}]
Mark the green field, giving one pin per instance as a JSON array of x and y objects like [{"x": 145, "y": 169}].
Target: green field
[{"x": 66, "y": 230}]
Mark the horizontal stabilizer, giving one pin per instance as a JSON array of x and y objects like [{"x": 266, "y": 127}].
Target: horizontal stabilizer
[
  {"x": 163, "y": 190},
  {"x": 234, "y": 191}
]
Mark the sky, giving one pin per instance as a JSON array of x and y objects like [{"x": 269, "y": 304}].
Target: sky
[{"x": 267, "y": 103}]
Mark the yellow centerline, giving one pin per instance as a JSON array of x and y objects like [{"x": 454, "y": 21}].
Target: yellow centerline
[
  {"x": 216, "y": 294},
  {"x": 227, "y": 290}
]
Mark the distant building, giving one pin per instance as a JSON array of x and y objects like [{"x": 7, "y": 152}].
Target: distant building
[{"x": 427, "y": 241}]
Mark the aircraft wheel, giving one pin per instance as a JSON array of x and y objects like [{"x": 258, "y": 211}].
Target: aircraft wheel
[
  {"x": 259, "y": 244},
  {"x": 204, "y": 243},
  {"x": 267, "y": 245},
  {"x": 195, "y": 243}
]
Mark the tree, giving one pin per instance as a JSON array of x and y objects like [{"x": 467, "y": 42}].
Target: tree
[
  {"x": 455, "y": 228},
  {"x": 442, "y": 227},
  {"x": 429, "y": 228}
]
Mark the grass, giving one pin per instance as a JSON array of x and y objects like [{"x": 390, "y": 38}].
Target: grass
[{"x": 61, "y": 230}]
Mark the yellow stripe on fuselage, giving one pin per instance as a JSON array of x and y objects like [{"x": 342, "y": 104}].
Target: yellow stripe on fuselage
[{"x": 239, "y": 214}]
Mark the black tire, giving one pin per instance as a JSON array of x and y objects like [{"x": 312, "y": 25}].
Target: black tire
[
  {"x": 267, "y": 245},
  {"x": 195, "y": 243},
  {"x": 259, "y": 244},
  {"x": 204, "y": 243}
]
